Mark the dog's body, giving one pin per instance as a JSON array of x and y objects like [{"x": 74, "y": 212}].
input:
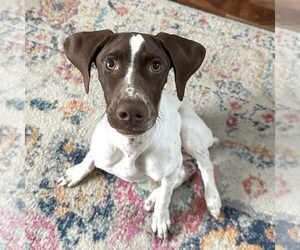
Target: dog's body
[{"x": 154, "y": 153}]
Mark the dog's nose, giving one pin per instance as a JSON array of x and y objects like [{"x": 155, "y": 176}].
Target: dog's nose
[{"x": 131, "y": 112}]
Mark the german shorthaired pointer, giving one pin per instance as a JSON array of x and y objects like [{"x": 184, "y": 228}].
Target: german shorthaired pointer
[{"x": 144, "y": 129}]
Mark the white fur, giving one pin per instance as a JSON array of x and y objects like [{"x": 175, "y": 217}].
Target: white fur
[
  {"x": 135, "y": 43},
  {"x": 156, "y": 155}
]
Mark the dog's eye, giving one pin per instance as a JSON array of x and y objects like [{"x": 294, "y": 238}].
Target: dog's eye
[
  {"x": 111, "y": 64},
  {"x": 155, "y": 66}
]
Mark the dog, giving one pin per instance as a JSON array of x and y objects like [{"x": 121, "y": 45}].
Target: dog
[{"x": 144, "y": 129}]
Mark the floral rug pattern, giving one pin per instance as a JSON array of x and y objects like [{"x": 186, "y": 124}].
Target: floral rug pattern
[{"x": 233, "y": 92}]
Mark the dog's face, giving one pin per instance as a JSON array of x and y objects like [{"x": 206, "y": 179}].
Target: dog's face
[{"x": 133, "y": 69}]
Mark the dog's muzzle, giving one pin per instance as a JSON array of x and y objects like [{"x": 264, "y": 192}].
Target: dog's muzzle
[{"x": 131, "y": 117}]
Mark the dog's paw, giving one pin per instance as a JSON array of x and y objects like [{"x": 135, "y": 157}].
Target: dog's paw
[
  {"x": 72, "y": 176},
  {"x": 214, "y": 204},
  {"x": 161, "y": 224}
]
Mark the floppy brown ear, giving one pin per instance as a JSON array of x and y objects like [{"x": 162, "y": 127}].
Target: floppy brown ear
[
  {"x": 81, "y": 49},
  {"x": 186, "y": 56}
]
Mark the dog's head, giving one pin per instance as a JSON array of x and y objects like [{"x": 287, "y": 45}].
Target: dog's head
[{"x": 133, "y": 69}]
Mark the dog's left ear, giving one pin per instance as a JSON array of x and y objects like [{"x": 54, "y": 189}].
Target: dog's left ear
[{"x": 186, "y": 57}]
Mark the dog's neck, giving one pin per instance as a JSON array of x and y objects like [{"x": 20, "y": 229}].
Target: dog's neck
[{"x": 131, "y": 146}]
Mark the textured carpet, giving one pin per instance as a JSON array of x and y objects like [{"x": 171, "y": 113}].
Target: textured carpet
[
  {"x": 287, "y": 179},
  {"x": 233, "y": 93}
]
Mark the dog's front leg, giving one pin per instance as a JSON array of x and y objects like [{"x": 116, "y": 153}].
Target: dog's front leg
[
  {"x": 161, "y": 217},
  {"x": 212, "y": 196},
  {"x": 75, "y": 174}
]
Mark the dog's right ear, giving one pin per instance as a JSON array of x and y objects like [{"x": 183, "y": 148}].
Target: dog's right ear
[{"x": 81, "y": 49}]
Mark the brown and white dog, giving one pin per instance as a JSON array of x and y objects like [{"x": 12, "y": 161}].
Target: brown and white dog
[{"x": 144, "y": 128}]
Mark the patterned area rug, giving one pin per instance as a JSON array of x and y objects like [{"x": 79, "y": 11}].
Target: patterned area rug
[
  {"x": 287, "y": 139},
  {"x": 233, "y": 93}
]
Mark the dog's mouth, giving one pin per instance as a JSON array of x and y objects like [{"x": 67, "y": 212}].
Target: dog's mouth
[
  {"x": 130, "y": 129},
  {"x": 130, "y": 132}
]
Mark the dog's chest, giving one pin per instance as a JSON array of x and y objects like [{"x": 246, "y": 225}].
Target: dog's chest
[
  {"x": 130, "y": 169},
  {"x": 126, "y": 159},
  {"x": 136, "y": 160}
]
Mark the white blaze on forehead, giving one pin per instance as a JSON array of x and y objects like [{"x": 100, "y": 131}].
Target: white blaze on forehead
[{"x": 135, "y": 43}]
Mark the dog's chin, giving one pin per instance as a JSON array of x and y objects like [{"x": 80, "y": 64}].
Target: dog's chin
[{"x": 131, "y": 133}]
